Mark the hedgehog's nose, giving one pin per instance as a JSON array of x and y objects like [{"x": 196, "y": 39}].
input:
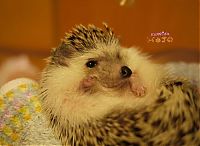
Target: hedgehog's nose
[{"x": 125, "y": 72}]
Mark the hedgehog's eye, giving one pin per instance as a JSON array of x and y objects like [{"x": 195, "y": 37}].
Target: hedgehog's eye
[{"x": 91, "y": 63}]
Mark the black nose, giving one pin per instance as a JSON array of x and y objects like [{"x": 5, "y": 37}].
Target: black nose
[{"x": 125, "y": 72}]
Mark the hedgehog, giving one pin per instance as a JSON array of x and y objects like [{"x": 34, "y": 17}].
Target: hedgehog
[{"x": 95, "y": 92}]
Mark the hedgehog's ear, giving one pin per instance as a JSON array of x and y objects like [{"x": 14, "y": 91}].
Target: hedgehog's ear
[
  {"x": 63, "y": 50},
  {"x": 61, "y": 54}
]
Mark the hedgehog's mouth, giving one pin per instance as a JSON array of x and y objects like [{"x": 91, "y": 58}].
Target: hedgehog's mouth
[
  {"x": 129, "y": 85},
  {"x": 132, "y": 85},
  {"x": 114, "y": 85}
]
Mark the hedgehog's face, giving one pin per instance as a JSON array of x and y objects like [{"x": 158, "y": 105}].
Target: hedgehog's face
[
  {"x": 78, "y": 85},
  {"x": 109, "y": 69}
]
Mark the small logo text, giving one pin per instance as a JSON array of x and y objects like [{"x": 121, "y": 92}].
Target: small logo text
[{"x": 160, "y": 37}]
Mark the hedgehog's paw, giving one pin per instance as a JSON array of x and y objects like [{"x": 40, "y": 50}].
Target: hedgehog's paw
[
  {"x": 87, "y": 83},
  {"x": 137, "y": 87},
  {"x": 138, "y": 90}
]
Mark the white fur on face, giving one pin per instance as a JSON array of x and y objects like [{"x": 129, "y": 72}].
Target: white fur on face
[{"x": 72, "y": 105}]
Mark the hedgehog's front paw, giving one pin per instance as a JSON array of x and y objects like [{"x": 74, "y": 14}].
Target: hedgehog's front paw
[
  {"x": 138, "y": 90},
  {"x": 87, "y": 83},
  {"x": 137, "y": 87}
]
